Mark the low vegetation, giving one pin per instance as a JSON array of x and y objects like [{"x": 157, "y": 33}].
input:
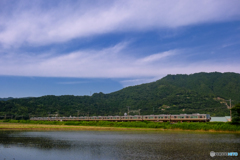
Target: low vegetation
[{"x": 217, "y": 126}]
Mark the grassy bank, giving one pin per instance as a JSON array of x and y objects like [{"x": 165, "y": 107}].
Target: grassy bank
[{"x": 216, "y": 126}]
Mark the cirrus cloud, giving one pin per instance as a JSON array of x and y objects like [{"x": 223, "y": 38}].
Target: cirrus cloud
[{"x": 26, "y": 22}]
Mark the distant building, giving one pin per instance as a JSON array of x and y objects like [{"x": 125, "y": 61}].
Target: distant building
[{"x": 221, "y": 119}]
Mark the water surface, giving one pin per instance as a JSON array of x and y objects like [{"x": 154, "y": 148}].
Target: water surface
[{"x": 97, "y": 145}]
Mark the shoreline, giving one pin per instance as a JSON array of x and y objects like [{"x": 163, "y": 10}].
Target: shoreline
[{"x": 49, "y": 127}]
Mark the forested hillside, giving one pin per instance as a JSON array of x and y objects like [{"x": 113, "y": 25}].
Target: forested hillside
[
  {"x": 5, "y": 99},
  {"x": 195, "y": 93}
]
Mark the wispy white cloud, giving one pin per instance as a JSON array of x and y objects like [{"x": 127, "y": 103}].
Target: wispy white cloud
[
  {"x": 30, "y": 23},
  {"x": 156, "y": 57},
  {"x": 110, "y": 62},
  {"x": 138, "y": 81},
  {"x": 230, "y": 44},
  {"x": 73, "y": 82}
]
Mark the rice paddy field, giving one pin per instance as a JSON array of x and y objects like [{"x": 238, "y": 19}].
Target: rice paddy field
[{"x": 106, "y": 125}]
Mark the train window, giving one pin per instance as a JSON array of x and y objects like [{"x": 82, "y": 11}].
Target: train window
[
  {"x": 194, "y": 116},
  {"x": 146, "y": 117},
  {"x": 203, "y": 116},
  {"x": 175, "y": 116},
  {"x": 200, "y": 116},
  {"x": 155, "y": 117}
]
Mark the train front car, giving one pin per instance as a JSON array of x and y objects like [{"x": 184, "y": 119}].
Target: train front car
[
  {"x": 195, "y": 117},
  {"x": 208, "y": 118}
]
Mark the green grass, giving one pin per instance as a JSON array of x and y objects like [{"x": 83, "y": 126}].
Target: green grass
[{"x": 217, "y": 126}]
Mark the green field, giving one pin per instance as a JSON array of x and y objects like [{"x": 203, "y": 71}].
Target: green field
[{"x": 209, "y": 126}]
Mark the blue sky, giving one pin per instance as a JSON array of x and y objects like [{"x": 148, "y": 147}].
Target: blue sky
[{"x": 81, "y": 47}]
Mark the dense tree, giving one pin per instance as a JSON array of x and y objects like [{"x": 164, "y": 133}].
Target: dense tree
[
  {"x": 173, "y": 94},
  {"x": 236, "y": 114}
]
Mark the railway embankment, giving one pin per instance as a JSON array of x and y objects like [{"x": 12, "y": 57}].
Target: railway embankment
[{"x": 198, "y": 126}]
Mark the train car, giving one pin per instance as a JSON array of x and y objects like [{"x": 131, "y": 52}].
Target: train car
[
  {"x": 196, "y": 117},
  {"x": 93, "y": 118},
  {"x": 131, "y": 118},
  {"x": 150, "y": 118},
  {"x": 116, "y": 118},
  {"x": 163, "y": 118},
  {"x": 157, "y": 118}
]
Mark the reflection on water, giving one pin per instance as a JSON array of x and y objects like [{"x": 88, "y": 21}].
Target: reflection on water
[{"x": 61, "y": 145}]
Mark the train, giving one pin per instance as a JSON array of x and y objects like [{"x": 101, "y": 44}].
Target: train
[{"x": 195, "y": 117}]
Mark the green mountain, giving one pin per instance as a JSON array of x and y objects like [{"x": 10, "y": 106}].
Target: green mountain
[
  {"x": 6, "y": 99},
  {"x": 173, "y": 94}
]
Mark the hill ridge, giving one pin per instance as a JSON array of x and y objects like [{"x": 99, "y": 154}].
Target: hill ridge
[{"x": 173, "y": 94}]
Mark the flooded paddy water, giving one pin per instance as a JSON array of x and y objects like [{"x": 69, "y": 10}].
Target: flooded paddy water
[{"x": 97, "y": 145}]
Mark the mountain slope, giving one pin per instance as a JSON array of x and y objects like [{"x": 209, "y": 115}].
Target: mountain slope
[
  {"x": 195, "y": 93},
  {"x": 6, "y": 99}
]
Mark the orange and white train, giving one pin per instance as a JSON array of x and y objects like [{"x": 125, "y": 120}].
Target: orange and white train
[{"x": 195, "y": 117}]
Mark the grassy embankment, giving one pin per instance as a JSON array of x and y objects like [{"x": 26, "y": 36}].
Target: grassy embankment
[{"x": 210, "y": 126}]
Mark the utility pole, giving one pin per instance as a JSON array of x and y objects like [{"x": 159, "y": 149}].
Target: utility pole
[{"x": 230, "y": 108}]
